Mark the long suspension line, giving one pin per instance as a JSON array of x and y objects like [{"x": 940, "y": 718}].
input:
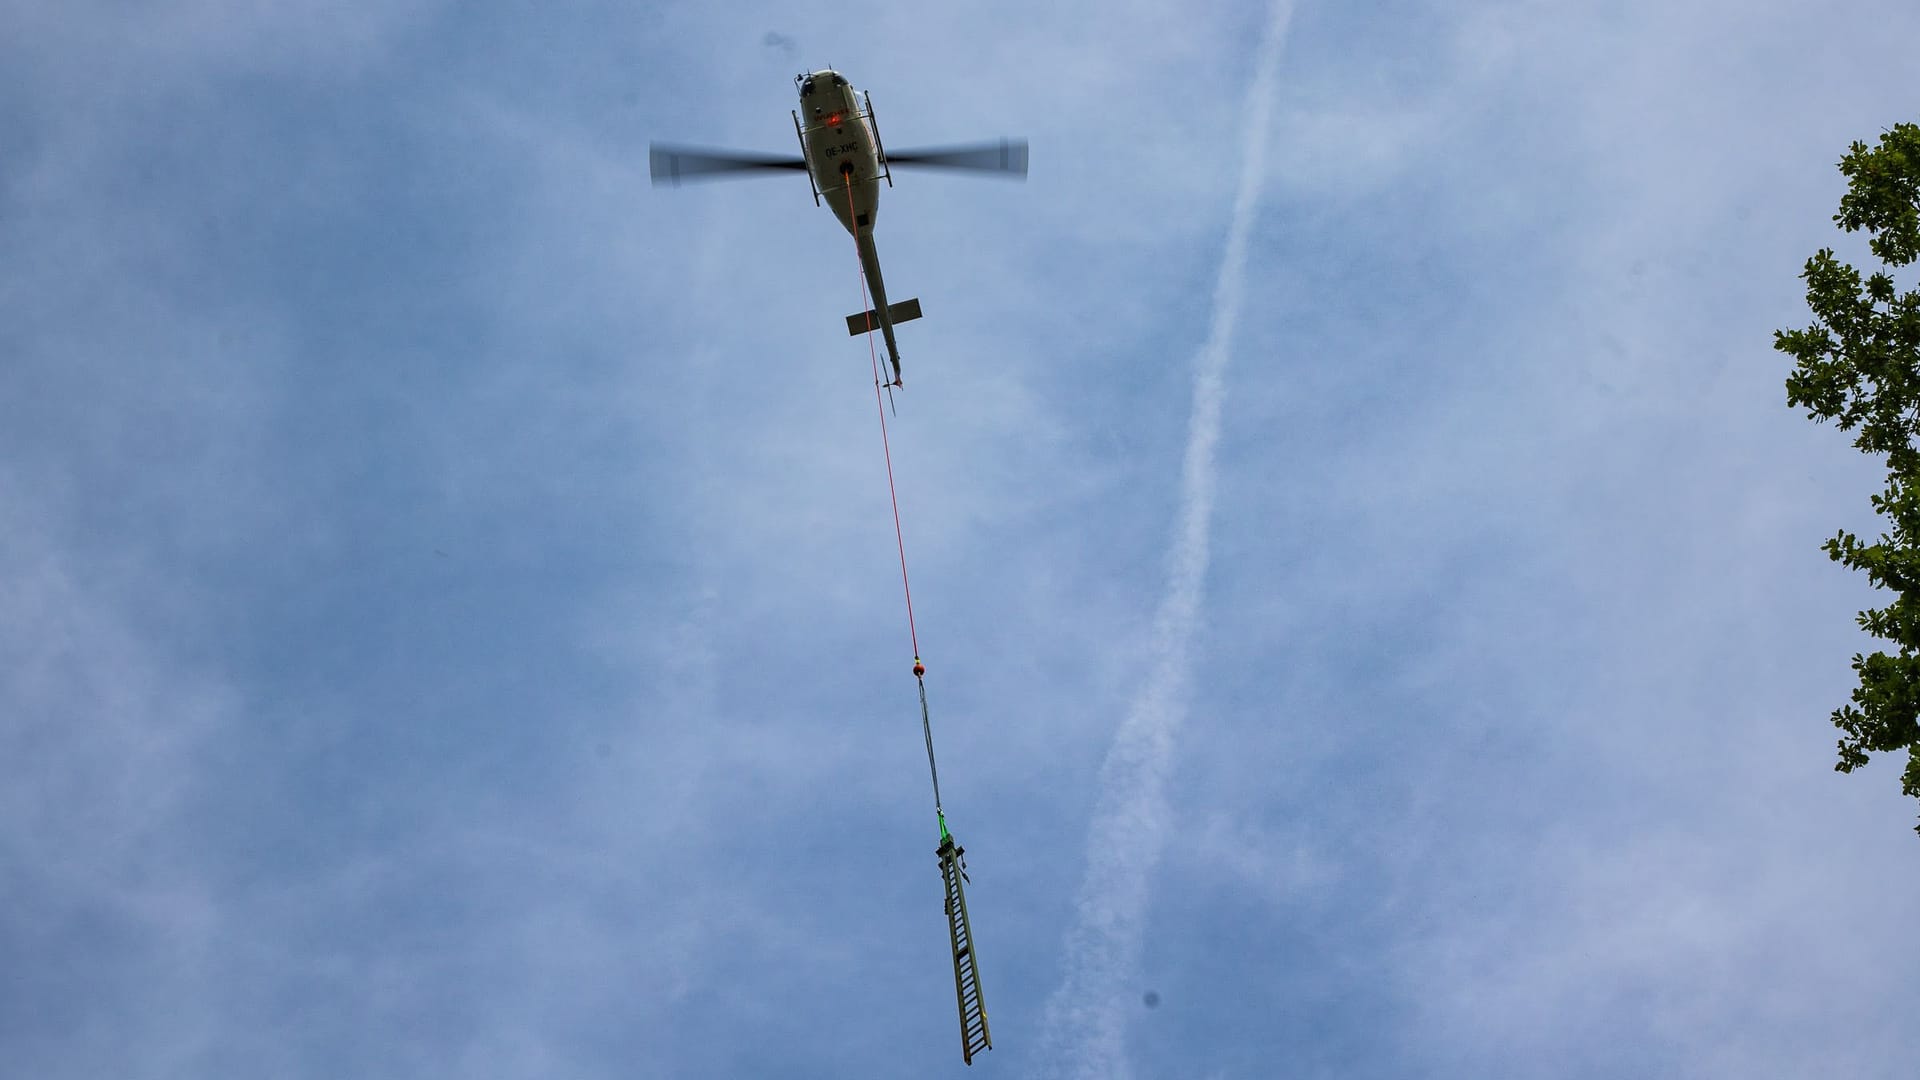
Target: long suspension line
[
  {"x": 899, "y": 537},
  {"x": 975, "y": 1034}
]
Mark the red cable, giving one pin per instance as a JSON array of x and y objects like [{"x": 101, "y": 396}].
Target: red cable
[{"x": 874, "y": 356}]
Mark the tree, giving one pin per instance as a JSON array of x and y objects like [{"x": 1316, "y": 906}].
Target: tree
[{"x": 1859, "y": 365}]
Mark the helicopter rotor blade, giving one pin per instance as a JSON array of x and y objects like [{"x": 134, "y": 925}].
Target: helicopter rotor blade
[
  {"x": 673, "y": 164},
  {"x": 1005, "y": 156}
]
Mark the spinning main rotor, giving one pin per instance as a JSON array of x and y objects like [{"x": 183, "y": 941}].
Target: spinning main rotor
[{"x": 673, "y": 164}]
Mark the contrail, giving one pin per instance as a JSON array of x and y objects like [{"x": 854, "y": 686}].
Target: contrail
[{"x": 1084, "y": 1033}]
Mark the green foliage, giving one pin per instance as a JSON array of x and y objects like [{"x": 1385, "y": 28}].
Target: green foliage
[{"x": 1859, "y": 365}]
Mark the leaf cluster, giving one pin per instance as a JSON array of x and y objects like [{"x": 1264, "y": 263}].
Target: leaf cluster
[{"x": 1858, "y": 365}]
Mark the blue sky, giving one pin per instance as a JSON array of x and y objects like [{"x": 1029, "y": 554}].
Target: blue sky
[{"x": 451, "y": 624}]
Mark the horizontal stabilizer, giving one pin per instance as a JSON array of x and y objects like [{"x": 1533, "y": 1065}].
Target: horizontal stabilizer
[{"x": 904, "y": 311}]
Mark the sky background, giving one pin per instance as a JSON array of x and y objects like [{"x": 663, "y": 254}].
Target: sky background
[{"x": 449, "y": 616}]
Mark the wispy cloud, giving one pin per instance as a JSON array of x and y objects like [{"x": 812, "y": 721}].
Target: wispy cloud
[{"x": 1086, "y": 1017}]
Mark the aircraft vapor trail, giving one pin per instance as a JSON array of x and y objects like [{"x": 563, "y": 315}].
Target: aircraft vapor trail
[{"x": 1084, "y": 1030}]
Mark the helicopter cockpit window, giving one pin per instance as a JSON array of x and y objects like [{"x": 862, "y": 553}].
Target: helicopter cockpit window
[{"x": 806, "y": 88}]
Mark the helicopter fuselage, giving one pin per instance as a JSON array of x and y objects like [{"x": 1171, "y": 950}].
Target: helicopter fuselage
[
  {"x": 842, "y": 152},
  {"x": 844, "y": 157}
]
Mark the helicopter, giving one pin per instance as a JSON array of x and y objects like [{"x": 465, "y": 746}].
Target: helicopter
[{"x": 841, "y": 153}]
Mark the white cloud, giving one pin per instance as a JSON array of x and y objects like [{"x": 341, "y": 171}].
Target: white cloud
[{"x": 1085, "y": 1026}]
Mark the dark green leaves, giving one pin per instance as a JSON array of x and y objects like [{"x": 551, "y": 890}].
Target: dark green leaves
[
  {"x": 1859, "y": 365},
  {"x": 1883, "y": 194}
]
